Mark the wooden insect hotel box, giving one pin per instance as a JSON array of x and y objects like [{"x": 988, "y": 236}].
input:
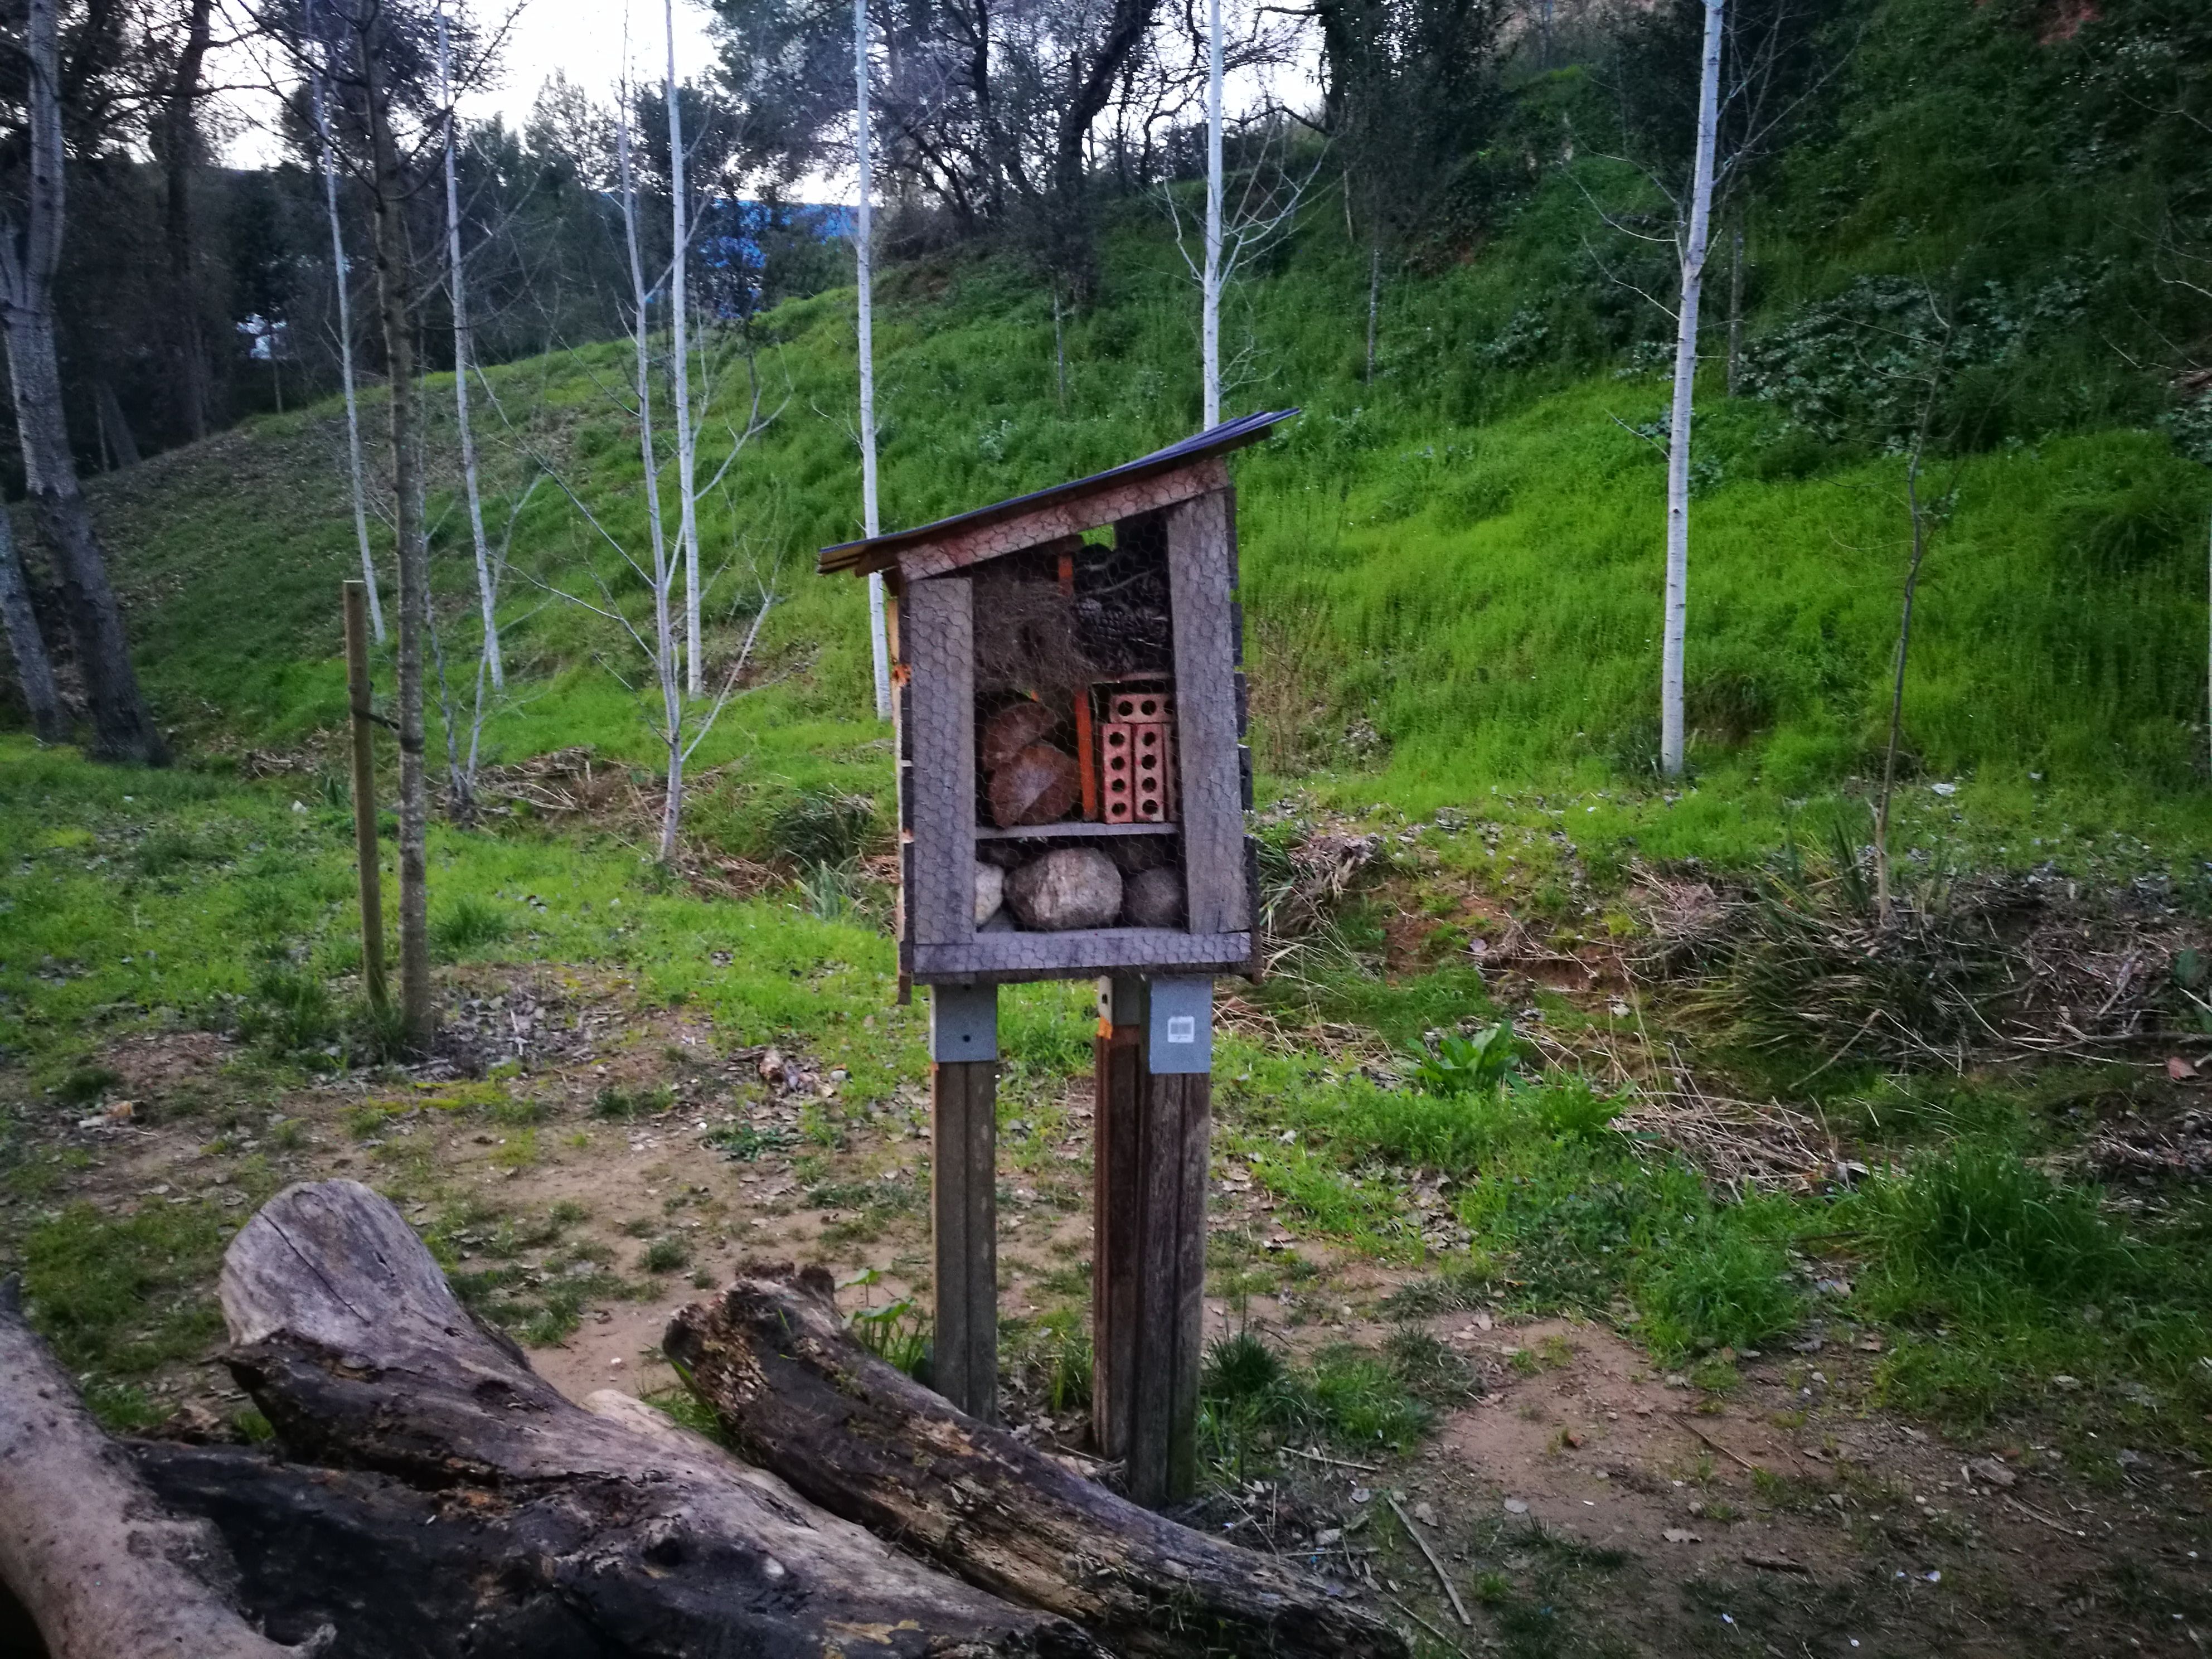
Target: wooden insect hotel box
[
  {"x": 1072, "y": 781},
  {"x": 1071, "y": 778}
]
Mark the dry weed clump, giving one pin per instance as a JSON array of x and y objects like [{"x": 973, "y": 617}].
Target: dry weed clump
[
  {"x": 1968, "y": 971},
  {"x": 1306, "y": 874}
]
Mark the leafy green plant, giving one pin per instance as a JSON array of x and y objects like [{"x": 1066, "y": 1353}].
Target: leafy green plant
[
  {"x": 745, "y": 1142},
  {"x": 898, "y": 1333},
  {"x": 1457, "y": 1065}
]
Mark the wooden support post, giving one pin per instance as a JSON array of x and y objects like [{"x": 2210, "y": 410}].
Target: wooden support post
[
  {"x": 963, "y": 1092},
  {"x": 364, "y": 795},
  {"x": 1117, "y": 1203},
  {"x": 1151, "y": 1126}
]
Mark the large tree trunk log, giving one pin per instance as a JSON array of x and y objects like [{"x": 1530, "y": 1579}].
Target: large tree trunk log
[
  {"x": 351, "y": 1343},
  {"x": 799, "y": 1396},
  {"x": 102, "y": 1568}
]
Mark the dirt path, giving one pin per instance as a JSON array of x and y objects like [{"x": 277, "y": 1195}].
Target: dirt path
[{"x": 604, "y": 1166}]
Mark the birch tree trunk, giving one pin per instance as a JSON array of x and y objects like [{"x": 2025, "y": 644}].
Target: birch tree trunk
[
  {"x": 864, "y": 261},
  {"x": 463, "y": 360},
  {"x": 341, "y": 269},
  {"x": 394, "y": 302},
  {"x": 1210, "y": 323},
  {"x": 30, "y": 254},
  {"x": 1685, "y": 379},
  {"x": 666, "y": 657},
  {"x": 1374, "y": 300},
  {"x": 34, "y": 671},
  {"x": 679, "y": 341}
]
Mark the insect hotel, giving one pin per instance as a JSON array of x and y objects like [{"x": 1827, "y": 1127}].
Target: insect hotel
[{"x": 1071, "y": 787}]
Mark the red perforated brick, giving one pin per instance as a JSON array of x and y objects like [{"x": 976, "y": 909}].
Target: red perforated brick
[{"x": 1137, "y": 770}]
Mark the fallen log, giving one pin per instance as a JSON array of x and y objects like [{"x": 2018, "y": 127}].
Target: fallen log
[
  {"x": 799, "y": 1396},
  {"x": 103, "y": 1569},
  {"x": 613, "y": 1541}
]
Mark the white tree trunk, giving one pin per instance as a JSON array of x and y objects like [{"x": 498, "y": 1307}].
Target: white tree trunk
[
  {"x": 341, "y": 271},
  {"x": 667, "y": 657},
  {"x": 878, "y": 639},
  {"x": 686, "y": 448},
  {"x": 1685, "y": 378},
  {"x": 463, "y": 359},
  {"x": 1209, "y": 324}
]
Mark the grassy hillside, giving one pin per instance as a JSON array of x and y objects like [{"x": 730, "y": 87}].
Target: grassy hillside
[{"x": 1439, "y": 606}]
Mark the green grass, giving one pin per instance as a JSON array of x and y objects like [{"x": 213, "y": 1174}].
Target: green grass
[
  {"x": 1254, "y": 1400},
  {"x": 1460, "y": 557},
  {"x": 119, "y": 1298}
]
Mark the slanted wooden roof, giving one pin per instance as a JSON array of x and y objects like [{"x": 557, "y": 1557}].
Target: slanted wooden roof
[{"x": 1156, "y": 480}]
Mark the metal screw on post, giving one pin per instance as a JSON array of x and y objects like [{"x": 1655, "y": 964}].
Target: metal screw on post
[{"x": 364, "y": 796}]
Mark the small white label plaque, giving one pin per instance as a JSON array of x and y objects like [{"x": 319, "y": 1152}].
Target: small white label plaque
[{"x": 1183, "y": 1028}]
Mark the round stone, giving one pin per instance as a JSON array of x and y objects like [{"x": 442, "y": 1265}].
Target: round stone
[
  {"x": 1153, "y": 898},
  {"x": 1069, "y": 887}
]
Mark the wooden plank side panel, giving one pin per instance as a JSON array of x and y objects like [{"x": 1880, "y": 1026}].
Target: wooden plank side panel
[
  {"x": 1074, "y": 955},
  {"x": 1198, "y": 561},
  {"x": 937, "y": 621},
  {"x": 963, "y": 1204}
]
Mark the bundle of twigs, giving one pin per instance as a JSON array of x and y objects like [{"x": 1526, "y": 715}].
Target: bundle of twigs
[{"x": 1958, "y": 973}]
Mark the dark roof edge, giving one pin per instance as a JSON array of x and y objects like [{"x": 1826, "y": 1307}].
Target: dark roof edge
[{"x": 874, "y": 552}]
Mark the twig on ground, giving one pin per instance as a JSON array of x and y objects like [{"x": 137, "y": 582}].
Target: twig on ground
[
  {"x": 1427, "y": 1626},
  {"x": 1735, "y": 1456},
  {"x": 1334, "y": 1463},
  {"x": 1442, "y": 1577},
  {"x": 2037, "y": 1516}
]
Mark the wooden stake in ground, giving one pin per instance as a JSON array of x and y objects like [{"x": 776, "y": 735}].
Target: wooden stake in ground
[
  {"x": 364, "y": 795},
  {"x": 799, "y": 1396},
  {"x": 102, "y": 1568},
  {"x": 376, "y": 46},
  {"x": 1149, "y": 1138},
  {"x": 963, "y": 1095}
]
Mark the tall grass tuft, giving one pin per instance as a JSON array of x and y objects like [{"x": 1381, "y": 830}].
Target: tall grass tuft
[
  {"x": 468, "y": 923},
  {"x": 1978, "y": 1219}
]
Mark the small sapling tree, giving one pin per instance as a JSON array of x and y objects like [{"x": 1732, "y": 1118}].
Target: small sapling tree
[{"x": 679, "y": 723}]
